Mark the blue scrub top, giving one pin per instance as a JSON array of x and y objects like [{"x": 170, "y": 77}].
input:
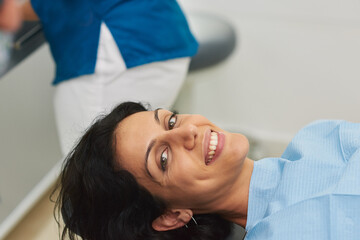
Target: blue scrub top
[
  {"x": 144, "y": 30},
  {"x": 313, "y": 190}
]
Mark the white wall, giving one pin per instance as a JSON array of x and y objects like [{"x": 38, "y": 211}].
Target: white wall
[
  {"x": 296, "y": 61},
  {"x": 29, "y": 146}
]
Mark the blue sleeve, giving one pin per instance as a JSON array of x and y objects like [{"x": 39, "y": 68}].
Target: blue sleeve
[{"x": 41, "y": 8}]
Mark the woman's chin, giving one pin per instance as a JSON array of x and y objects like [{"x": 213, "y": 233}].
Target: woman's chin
[{"x": 238, "y": 150}]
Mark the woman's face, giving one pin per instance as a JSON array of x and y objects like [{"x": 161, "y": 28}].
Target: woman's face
[{"x": 184, "y": 159}]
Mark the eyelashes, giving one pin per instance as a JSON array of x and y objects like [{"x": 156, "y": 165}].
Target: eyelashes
[
  {"x": 172, "y": 121},
  {"x": 164, "y": 155},
  {"x": 164, "y": 159}
]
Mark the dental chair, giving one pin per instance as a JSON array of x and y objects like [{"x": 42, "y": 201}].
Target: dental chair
[{"x": 217, "y": 40}]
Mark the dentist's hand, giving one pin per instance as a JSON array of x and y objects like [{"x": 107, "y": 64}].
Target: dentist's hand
[{"x": 10, "y": 16}]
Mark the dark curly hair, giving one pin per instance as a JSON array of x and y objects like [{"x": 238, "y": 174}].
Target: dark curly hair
[{"x": 100, "y": 202}]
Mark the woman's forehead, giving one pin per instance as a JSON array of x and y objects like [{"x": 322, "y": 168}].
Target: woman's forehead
[
  {"x": 133, "y": 137},
  {"x": 135, "y": 132},
  {"x": 146, "y": 118}
]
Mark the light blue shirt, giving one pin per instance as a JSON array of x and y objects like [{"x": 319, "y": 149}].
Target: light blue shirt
[{"x": 313, "y": 190}]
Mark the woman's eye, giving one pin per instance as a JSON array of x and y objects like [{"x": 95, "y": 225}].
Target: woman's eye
[
  {"x": 172, "y": 121},
  {"x": 164, "y": 159}
]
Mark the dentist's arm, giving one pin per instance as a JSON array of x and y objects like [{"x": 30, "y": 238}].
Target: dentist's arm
[
  {"x": 10, "y": 16},
  {"x": 28, "y": 12}
]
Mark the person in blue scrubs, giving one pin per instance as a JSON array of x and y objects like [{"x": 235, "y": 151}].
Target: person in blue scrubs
[
  {"x": 158, "y": 175},
  {"x": 111, "y": 51}
]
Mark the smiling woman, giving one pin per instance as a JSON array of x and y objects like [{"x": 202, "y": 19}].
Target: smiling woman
[
  {"x": 122, "y": 179},
  {"x": 139, "y": 174},
  {"x": 183, "y": 166}
]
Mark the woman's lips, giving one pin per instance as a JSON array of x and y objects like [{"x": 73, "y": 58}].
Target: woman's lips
[{"x": 214, "y": 143}]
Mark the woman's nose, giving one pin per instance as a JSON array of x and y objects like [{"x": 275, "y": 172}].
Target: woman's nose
[{"x": 185, "y": 135}]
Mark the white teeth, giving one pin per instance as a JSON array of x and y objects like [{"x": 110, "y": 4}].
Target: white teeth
[
  {"x": 211, "y": 153},
  {"x": 212, "y": 146}
]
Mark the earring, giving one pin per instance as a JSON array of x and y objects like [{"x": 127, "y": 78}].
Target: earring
[{"x": 193, "y": 220}]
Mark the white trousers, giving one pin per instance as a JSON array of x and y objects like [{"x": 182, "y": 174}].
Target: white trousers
[{"x": 79, "y": 101}]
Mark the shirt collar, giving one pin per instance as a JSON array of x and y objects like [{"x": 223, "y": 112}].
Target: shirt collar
[{"x": 264, "y": 181}]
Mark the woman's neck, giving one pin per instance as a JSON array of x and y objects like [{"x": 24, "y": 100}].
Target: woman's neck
[{"x": 234, "y": 206}]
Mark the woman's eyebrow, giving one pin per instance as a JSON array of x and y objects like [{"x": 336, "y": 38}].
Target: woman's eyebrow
[
  {"x": 152, "y": 143},
  {"x": 156, "y": 115}
]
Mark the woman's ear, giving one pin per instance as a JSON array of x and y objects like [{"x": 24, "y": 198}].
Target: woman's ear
[{"x": 172, "y": 219}]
